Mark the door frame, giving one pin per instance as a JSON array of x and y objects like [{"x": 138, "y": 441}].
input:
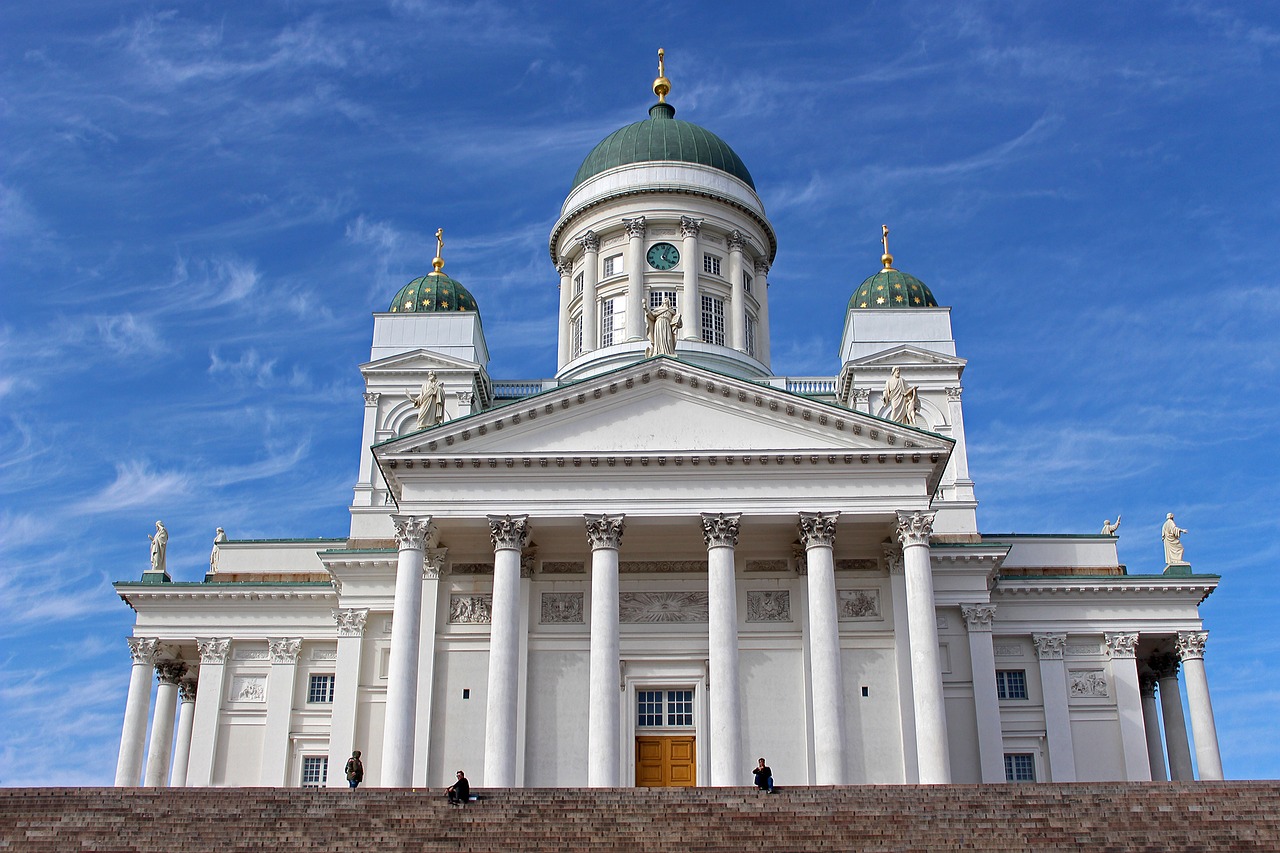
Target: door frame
[{"x": 665, "y": 674}]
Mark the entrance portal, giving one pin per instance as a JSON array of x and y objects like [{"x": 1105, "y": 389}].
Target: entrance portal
[{"x": 665, "y": 762}]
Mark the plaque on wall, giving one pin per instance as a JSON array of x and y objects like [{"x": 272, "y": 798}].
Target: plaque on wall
[
  {"x": 768, "y": 605},
  {"x": 471, "y": 609},
  {"x": 561, "y": 608},
  {"x": 663, "y": 607},
  {"x": 856, "y": 604}
]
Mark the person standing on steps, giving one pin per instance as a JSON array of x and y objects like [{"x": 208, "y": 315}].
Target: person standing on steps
[
  {"x": 460, "y": 791},
  {"x": 355, "y": 770},
  {"x": 764, "y": 777}
]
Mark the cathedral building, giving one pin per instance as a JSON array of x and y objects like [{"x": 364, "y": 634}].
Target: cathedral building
[{"x": 665, "y": 560}]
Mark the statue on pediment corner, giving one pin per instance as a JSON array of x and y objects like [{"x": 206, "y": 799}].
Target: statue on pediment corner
[{"x": 429, "y": 402}]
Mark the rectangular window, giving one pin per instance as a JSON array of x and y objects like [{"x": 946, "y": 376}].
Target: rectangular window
[
  {"x": 612, "y": 266},
  {"x": 321, "y": 688},
  {"x": 575, "y": 337},
  {"x": 713, "y": 320},
  {"x": 658, "y": 297},
  {"x": 315, "y": 771},
  {"x": 664, "y": 708},
  {"x": 679, "y": 707},
  {"x": 1019, "y": 767},
  {"x": 613, "y": 317},
  {"x": 577, "y": 284},
  {"x": 1011, "y": 684},
  {"x": 751, "y": 336},
  {"x": 746, "y": 282},
  {"x": 711, "y": 264},
  {"x": 648, "y": 707}
]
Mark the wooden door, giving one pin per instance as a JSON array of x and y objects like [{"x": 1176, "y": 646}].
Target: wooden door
[{"x": 666, "y": 762}]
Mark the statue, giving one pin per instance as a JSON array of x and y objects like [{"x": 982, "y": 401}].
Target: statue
[
  {"x": 1172, "y": 536},
  {"x": 159, "y": 543},
  {"x": 429, "y": 402},
  {"x": 900, "y": 398},
  {"x": 1109, "y": 529},
  {"x": 660, "y": 329},
  {"x": 218, "y": 539}
]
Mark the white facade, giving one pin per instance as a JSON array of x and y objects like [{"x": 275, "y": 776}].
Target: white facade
[{"x": 653, "y": 570}]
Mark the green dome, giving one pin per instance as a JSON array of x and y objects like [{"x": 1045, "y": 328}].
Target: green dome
[
  {"x": 893, "y": 289},
  {"x": 433, "y": 292},
  {"x": 663, "y": 137}
]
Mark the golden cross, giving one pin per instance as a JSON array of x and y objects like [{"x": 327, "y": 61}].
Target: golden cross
[
  {"x": 884, "y": 238},
  {"x": 440, "y": 242}
]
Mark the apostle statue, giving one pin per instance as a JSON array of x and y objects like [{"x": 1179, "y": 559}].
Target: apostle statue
[
  {"x": 1109, "y": 529},
  {"x": 660, "y": 329},
  {"x": 900, "y": 398},
  {"x": 1172, "y": 536},
  {"x": 429, "y": 402},
  {"x": 159, "y": 543},
  {"x": 218, "y": 539}
]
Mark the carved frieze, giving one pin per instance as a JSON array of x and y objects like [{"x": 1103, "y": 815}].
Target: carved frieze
[
  {"x": 856, "y": 604},
  {"x": 858, "y": 564},
  {"x": 249, "y": 688},
  {"x": 562, "y": 608},
  {"x": 767, "y": 566},
  {"x": 1010, "y": 650},
  {"x": 562, "y": 567},
  {"x": 324, "y": 654},
  {"x": 1082, "y": 649},
  {"x": 768, "y": 605},
  {"x": 471, "y": 569},
  {"x": 252, "y": 654},
  {"x": 663, "y": 607},
  {"x": 662, "y": 566},
  {"x": 470, "y": 609},
  {"x": 1089, "y": 683}
]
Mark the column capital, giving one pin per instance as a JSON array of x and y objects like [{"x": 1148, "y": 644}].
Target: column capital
[
  {"x": 1191, "y": 644},
  {"x": 590, "y": 242},
  {"x": 634, "y": 227},
  {"x": 1121, "y": 646},
  {"x": 433, "y": 563},
  {"x": 285, "y": 649},
  {"x": 802, "y": 559},
  {"x": 978, "y": 617},
  {"x": 508, "y": 532},
  {"x": 818, "y": 528},
  {"x": 564, "y": 266},
  {"x": 528, "y": 559},
  {"x": 914, "y": 528},
  {"x": 604, "y": 531},
  {"x": 1050, "y": 646},
  {"x": 351, "y": 621},
  {"x": 1164, "y": 665},
  {"x": 187, "y": 690},
  {"x": 953, "y": 393},
  {"x": 720, "y": 528},
  {"x": 213, "y": 650},
  {"x": 371, "y": 398},
  {"x": 735, "y": 241},
  {"x": 690, "y": 227},
  {"x": 1147, "y": 684},
  {"x": 893, "y": 560},
  {"x": 862, "y": 395},
  {"x": 170, "y": 671},
  {"x": 761, "y": 267},
  {"x": 143, "y": 649},
  {"x": 413, "y": 533}
]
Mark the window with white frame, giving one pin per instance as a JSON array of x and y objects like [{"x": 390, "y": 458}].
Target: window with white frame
[
  {"x": 315, "y": 771},
  {"x": 613, "y": 318},
  {"x": 658, "y": 297},
  {"x": 577, "y": 284},
  {"x": 321, "y": 688},
  {"x": 1011, "y": 684},
  {"x": 1019, "y": 767},
  {"x": 612, "y": 265},
  {"x": 751, "y": 336},
  {"x": 575, "y": 337},
  {"x": 746, "y": 281},
  {"x": 711, "y": 264},
  {"x": 713, "y": 320},
  {"x": 664, "y": 708}
]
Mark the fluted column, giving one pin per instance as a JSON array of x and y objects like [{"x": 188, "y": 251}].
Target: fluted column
[
  {"x": 412, "y": 534},
  {"x": 1151, "y": 726},
  {"x": 160, "y": 751},
  {"x": 1165, "y": 667},
  {"x": 204, "y": 733},
  {"x": 760, "y": 290},
  {"x": 350, "y": 623},
  {"x": 691, "y": 260},
  {"x": 604, "y": 533},
  {"x": 1124, "y": 673},
  {"x": 509, "y": 534},
  {"x": 720, "y": 531},
  {"x": 818, "y": 535},
  {"x": 136, "y": 709},
  {"x": 914, "y": 529},
  {"x": 635, "y": 278},
  {"x": 563, "y": 355},
  {"x": 978, "y": 619},
  {"x": 902, "y": 652},
  {"x": 182, "y": 740},
  {"x": 738, "y": 322},
  {"x": 1052, "y": 649},
  {"x": 590, "y": 243},
  {"x": 1203, "y": 730}
]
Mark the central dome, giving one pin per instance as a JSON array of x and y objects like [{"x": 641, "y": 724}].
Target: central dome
[{"x": 661, "y": 137}]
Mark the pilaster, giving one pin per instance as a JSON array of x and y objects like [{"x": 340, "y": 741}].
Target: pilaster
[
  {"x": 635, "y": 229},
  {"x": 1124, "y": 674},
  {"x": 979, "y": 619},
  {"x": 590, "y": 243},
  {"x": 208, "y": 710},
  {"x": 350, "y": 624},
  {"x": 281, "y": 685},
  {"x": 1051, "y": 650},
  {"x": 691, "y": 258}
]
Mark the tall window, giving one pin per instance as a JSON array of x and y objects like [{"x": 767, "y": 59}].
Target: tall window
[
  {"x": 321, "y": 688},
  {"x": 664, "y": 708},
  {"x": 746, "y": 281},
  {"x": 575, "y": 337},
  {"x": 315, "y": 771},
  {"x": 711, "y": 264},
  {"x": 577, "y": 284},
  {"x": 657, "y": 297},
  {"x": 612, "y": 265},
  {"x": 613, "y": 318},
  {"x": 713, "y": 320},
  {"x": 751, "y": 336},
  {"x": 1011, "y": 684},
  {"x": 1019, "y": 767}
]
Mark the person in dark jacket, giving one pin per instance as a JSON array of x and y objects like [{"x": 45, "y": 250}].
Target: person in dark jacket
[
  {"x": 355, "y": 770},
  {"x": 460, "y": 791},
  {"x": 764, "y": 777}
]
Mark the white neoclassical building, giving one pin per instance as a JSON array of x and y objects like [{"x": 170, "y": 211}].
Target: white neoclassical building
[{"x": 666, "y": 561}]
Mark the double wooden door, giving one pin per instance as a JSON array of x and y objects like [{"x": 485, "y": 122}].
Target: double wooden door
[{"x": 666, "y": 762}]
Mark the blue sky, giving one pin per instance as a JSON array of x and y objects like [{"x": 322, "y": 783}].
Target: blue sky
[{"x": 201, "y": 205}]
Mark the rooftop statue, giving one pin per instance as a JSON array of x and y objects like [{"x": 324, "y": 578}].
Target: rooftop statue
[
  {"x": 218, "y": 539},
  {"x": 660, "y": 328},
  {"x": 1172, "y": 536},
  {"x": 901, "y": 399},
  {"x": 159, "y": 543},
  {"x": 1109, "y": 529},
  {"x": 429, "y": 402}
]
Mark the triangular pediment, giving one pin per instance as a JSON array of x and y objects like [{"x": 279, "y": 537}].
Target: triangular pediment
[
  {"x": 415, "y": 361},
  {"x": 904, "y": 355}
]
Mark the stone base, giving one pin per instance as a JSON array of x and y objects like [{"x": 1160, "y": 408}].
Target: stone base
[
  {"x": 156, "y": 577},
  {"x": 1178, "y": 570}
]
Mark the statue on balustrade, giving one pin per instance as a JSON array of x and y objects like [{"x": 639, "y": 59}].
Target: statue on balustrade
[{"x": 1109, "y": 529}]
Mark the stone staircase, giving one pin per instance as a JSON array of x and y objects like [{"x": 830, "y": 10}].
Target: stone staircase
[{"x": 1223, "y": 816}]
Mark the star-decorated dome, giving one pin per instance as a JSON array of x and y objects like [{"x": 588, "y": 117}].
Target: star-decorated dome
[
  {"x": 434, "y": 291},
  {"x": 891, "y": 288}
]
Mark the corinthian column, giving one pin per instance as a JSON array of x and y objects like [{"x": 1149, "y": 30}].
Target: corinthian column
[
  {"x": 902, "y": 651},
  {"x": 590, "y": 280},
  {"x": 818, "y": 535},
  {"x": 1165, "y": 667},
  {"x": 1151, "y": 726},
  {"x": 182, "y": 742},
  {"x": 720, "y": 531},
  {"x": 565, "y": 267},
  {"x": 738, "y": 320},
  {"x": 136, "y": 708},
  {"x": 412, "y": 534},
  {"x": 978, "y": 618},
  {"x": 168, "y": 673},
  {"x": 1124, "y": 671},
  {"x": 691, "y": 258},
  {"x": 509, "y": 534},
  {"x": 604, "y": 533},
  {"x": 1203, "y": 730},
  {"x": 635, "y": 277},
  {"x": 914, "y": 529},
  {"x": 760, "y": 290}
]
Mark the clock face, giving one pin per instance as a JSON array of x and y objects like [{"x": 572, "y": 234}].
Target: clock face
[{"x": 663, "y": 256}]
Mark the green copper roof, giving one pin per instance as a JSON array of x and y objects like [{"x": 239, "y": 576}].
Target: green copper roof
[
  {"x": 433, "y": 292},
  {"x": 663, "y": 137},
  {"x": 893, "y": 289}
]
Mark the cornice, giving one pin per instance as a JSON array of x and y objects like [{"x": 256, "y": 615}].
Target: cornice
[
  {"x": 133, "y": 593},
  {"x": 1146, "y": 585}
]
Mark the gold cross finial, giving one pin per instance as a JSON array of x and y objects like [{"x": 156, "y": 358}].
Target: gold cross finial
[
  {"x": 437, "y": 263},
  {"x": 886, "y": 258},
  {"x": 662, "y": 86}
]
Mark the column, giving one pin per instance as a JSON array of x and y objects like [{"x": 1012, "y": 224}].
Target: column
[
  {"x": 204, "y": 731},
  {"x": 565, "y": 267},
  {"x": 978, "y": 619},
  {"x": 346, "y": 690},
  {"x": 136, "y": 708},
  {"x": 1151, "y": 726},
  {"x": 182, "y": 741},
  {"x": 1133, "y": 737},
  {"x": 635, "y": 278},
  {"x": 691, "y": 260},
  {"x": 275, "y": 731},
  {"x": 604, "y": 534},
  {"x": 959, "y": 455},
  {"x": 1203, "y": 730},
  {"x": 720, "y": 531},
  {"x": 1165, "y": 667},
  {"x": 160, "y": 751},
  {"x": 590, "y": 243},
  {"x": 432, "y": 568},
  {"x": 902, "y": 652},
  {"x": 509, "y": 534},
  {"x": 412, "y": 534},
  {"x": 738, "y": 295},
  {"x": 914, "y": 529},
  {"x": 760, "y": 289},
  {"x": 1051, "y": 649},
  {"x": 366, "y": 482},
  {"x": 818, "y": 535}
]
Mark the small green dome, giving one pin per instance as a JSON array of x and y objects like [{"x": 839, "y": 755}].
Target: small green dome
[
  {"x": 662, "y": 137},
  {"x": 433, "y": 292},
  {"x": 891, "y": 288}
]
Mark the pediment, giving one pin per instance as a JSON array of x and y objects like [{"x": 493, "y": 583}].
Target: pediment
[
  {"x": 415, "y": 361},
  {"x": 905, "y": 355}
]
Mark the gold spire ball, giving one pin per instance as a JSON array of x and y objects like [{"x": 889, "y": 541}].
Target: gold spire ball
[
  {"x": 886, "y": 258},
  {"x": 437, "y": 263},
  {"x": 662, "y": 86}
]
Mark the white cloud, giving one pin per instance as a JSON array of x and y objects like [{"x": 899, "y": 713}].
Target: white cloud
[{"x": 135, "y": 485}]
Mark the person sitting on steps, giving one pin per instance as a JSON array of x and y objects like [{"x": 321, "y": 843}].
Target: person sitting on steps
[
  {"x": 460, "y": 791},
  {"x": 764, "y": 777}
]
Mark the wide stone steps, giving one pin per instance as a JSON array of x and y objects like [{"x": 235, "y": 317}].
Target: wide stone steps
[{"x": 1225, "y": 816}]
